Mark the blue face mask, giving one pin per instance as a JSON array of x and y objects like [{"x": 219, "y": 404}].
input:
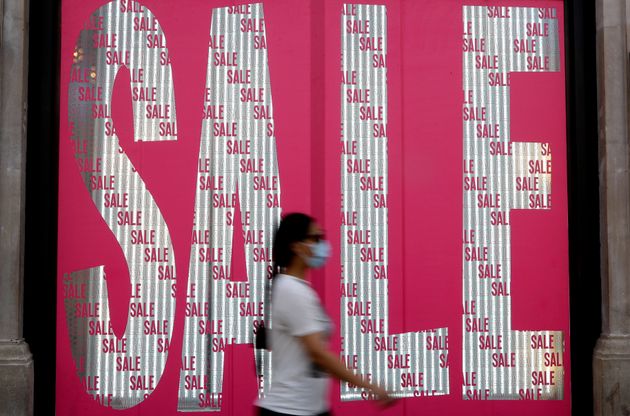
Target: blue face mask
[{"x": 321, "y": 253}]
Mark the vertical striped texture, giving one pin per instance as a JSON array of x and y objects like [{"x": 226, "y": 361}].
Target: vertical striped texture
[
  {"x": 506, "y": 364},
  {"x": 120, "y": 371},
  {"x": 238, "y": 145},
  {"x": 406, "y": 364}
]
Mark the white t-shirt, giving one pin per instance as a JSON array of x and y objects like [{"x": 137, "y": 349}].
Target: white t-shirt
[{"x": 297, "y": 386}]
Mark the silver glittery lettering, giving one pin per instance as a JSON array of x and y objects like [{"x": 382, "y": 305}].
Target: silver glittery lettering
[
  {"x": 500, "y": 175},
  {"x": 120, "y": 371},
  {"x": 409, "y": 364},
  {"x": 237, "y": 169}
]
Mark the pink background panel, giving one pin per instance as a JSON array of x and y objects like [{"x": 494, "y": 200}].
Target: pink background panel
[{"x": 425, "y": 171}]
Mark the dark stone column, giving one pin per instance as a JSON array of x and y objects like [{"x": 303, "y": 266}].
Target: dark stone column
[
  {"x": 16, "y": 363},
  {"x": 611, "y": 361}
]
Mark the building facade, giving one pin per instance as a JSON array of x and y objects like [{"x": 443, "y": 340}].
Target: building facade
[{"x": 597, "y": 51}]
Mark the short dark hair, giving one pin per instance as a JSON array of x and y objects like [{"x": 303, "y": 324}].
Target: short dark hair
[{"x": 293, "y": 228}]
